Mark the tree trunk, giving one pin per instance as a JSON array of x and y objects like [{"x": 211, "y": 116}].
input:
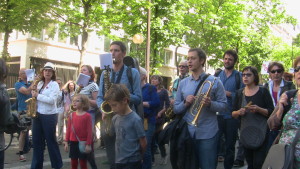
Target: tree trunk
[
  {"x": 84, "y": 40},
  {"x": 5, "y": 54}
]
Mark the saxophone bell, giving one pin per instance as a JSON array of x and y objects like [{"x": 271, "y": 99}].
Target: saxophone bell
[{"x": 105, "y": 108}]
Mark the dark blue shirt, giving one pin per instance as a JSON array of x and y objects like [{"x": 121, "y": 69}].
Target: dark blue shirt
[
  {"x": 22, "y": 97},
  {"x": 229, "y": 84},
  {"x": 150, "y": 95}
]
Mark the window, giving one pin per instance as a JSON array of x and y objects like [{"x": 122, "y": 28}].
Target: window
[{"x": 168, "y": 57}]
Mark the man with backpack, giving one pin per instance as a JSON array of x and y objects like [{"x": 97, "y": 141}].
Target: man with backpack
[
  {"x": 228, "y": 126},
  {"x": 120, "y": 74}
]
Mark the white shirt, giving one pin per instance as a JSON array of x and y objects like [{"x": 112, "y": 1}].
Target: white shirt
[{"x": 47, "y": 97}]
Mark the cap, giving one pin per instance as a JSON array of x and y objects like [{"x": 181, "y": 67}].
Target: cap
[{"x": 49, "y": 65}]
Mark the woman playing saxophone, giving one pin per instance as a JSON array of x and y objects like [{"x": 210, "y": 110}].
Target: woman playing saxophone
[{"x": 44, "y": 125}]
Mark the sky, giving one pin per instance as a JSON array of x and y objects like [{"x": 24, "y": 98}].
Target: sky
[{"x": 292, "y": 8}]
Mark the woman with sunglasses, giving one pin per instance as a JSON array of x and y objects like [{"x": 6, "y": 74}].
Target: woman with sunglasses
[
  {"x": 289, "y": 121},
  {"x": 277, "y": 85},
  {"x": 253, "y": 105}
]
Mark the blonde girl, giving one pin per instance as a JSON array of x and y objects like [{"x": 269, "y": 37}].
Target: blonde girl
[{"x": 79, "y": 126}]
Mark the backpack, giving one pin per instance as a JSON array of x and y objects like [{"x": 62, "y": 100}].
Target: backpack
[
  {"x": 9, "y": 122},
  {"x": 138, "y": 108}
]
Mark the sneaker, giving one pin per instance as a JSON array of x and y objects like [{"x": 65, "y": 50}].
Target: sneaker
[
  {"x": 238, "y": 163},
  {"x": 220, "y": 159},
  {"x": 22, "y": 158},
  {"x": 163, "y": 160}
]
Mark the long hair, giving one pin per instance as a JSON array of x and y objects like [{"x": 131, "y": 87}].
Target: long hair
[
  {"x": 52, "y": 78},
  {"x": 160, "y": 80},
  {"x": 68, "y": 86},
  {"x": 91, "y": 70}
]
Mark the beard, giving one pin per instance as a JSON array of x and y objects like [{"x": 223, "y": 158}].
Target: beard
[{"x": 229, "y": 67}]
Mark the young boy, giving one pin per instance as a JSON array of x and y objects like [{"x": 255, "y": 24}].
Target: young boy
[{"x": 128, "y": 127}]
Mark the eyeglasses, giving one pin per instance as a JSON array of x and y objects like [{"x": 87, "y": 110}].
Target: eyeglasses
[
  {"x": 247, "y": 74},
  {"x": 182, "y": 66},
  {"x": 296, "y": 69},
  {"x": 77, "y": 101},
  {"x": 277, "y": 70}
]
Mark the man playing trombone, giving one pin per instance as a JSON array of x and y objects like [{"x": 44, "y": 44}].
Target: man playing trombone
[{"x": 198, "y": 98}]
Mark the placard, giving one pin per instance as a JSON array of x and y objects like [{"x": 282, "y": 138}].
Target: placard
[{"x": 106, "y": 61}]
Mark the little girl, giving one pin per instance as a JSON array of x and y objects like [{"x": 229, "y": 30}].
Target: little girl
[{"x": 79, "y": 126}]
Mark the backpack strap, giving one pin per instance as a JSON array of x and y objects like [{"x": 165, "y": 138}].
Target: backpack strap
[
  {"x": 290, "y": 94},
  {"x": 237, "y": 80},
  {"x": 129, "y": 76}
]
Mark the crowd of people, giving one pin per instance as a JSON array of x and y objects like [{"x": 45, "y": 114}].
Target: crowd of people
[{"x": 201, "y": 117}]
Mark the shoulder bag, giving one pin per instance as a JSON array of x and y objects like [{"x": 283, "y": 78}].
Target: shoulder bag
[
  {"x": 81, "y": 144},
  {"x": 281, "y": 156}
]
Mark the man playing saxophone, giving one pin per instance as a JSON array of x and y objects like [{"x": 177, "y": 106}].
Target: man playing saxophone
[
  {"x": 203, "y": 135},
  {"x": 119, "y": 75}
]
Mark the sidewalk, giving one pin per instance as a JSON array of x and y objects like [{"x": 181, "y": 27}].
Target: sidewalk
[{"x": 12, "y": 159}]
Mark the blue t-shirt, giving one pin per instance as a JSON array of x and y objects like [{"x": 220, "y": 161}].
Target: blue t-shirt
[
  {"x": 229, "y": 84},
  {"x": 128, "y": 129},
  {"x": 22, "y": 97}
]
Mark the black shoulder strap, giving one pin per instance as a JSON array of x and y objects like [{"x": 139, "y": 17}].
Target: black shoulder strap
[
  {"x": 201, "y": 82},
  {"x": 290, "y": 94},
  {"x": 129, "y": 76},
  {"x": 217, "y": 73},
  {"x": 237, "y": 80}
]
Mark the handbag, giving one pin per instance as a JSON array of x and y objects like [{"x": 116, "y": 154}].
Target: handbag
[
  {"x": 281, "y": 156},
  {"x": 81, "y": 144},
  {"x": 253, "y": 128}
]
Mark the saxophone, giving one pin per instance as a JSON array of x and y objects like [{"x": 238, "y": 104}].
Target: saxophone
[
  {"x": 169, "y": 112},
  {"x": 31, "y": 102},
  {"x": 105, "y": 107}
]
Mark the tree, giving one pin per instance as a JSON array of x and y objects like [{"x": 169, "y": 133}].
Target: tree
[
  {"x": 216, "y": 26},
  {"x": 283, "y": 52},
  {"x": 25, "y": 16},
  {"x": 167, "y": 26},
  {"x": 296, "y": 40},
  {"x": 77, "y": 18}
]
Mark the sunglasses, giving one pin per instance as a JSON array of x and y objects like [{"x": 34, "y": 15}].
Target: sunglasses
[
  {"x": 277, "y": 70},
  {"x": 181, "y": 66},
  {"x": 296, "y": 69},
  {"x": 246, "y": 74}
]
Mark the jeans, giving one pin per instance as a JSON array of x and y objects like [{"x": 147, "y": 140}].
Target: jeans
[
  {"x": 147, "y": 159},
  {"x": 44, "y": 130},
  {"x": 228, "y": 127},
  {"x": 272, "y": 136},
  {"x": 206, "y": 150}
]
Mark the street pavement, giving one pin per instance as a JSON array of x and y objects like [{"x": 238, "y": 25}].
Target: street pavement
[{"x": 12, "y": 159}]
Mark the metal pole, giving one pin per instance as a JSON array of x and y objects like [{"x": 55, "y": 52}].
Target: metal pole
[{"x": 148, "y": 42}]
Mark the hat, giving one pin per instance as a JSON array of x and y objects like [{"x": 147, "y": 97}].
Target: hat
[
  {"x": 49, "y": 65},
  {"x": 143, "y": 71}
]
